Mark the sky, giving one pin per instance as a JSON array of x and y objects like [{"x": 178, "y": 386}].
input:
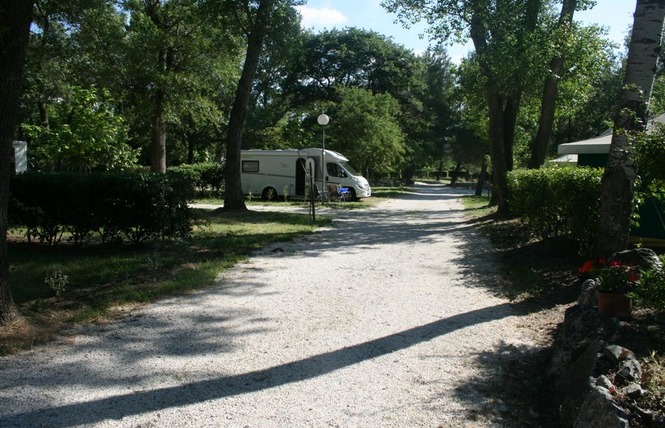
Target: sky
[{"x": 318, "y": 15}]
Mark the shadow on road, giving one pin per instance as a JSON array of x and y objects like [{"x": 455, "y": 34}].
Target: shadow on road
[
  {"x": 134, "y": 403},
  {"x": 354, "y": 231}
]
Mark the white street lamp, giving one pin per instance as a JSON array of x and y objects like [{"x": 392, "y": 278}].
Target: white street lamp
[{"x": 323, "y": 120}]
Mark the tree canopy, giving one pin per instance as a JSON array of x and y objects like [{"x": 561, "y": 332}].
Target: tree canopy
[{"x": 169, "y": 70}]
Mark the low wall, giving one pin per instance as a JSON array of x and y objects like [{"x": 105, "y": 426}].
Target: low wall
[{"x": 589, "y": 370}]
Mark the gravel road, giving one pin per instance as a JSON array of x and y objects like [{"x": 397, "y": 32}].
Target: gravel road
[{"x": 385, "y": 319}]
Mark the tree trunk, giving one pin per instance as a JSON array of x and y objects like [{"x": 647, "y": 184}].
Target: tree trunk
[
  {"x": 497, "y": 149},
  {"x": 510, "y": 112},
  {"x": 503, "y": 110},
  {"x": 550, "y": 93},
  {"x": 234, "y": 199},
  {"x": 158, "y": 123},
  {"x": 481, "y": 179},
  {"x": 190, "y": 148},
  {"x": 617, "y": 186},
  {"x": 158, "y": 137},
  {"x": 455, "y": 175},
  {"x": 15, "y": 18},
  {"x": 43, "y": 114}
]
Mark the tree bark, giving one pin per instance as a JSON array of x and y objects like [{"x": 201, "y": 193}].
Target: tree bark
[
  {"x": 550, "y": 93},
  {"x": 234, "y": 199},
  {"x": 511, "y": 110},
  {"x": 617, "y": 186},
  {"x": 455, "y": 174},
  {"x": 503, "y": 105},
  {"x": 496, "y": 121},
  {"x": 15, "y": 18},
  {"x": 481, "y": 179},
  {"x": 158, "y": 134},
  {"x": 497, "y": 150},
  {"x": 158, "y": 120}
]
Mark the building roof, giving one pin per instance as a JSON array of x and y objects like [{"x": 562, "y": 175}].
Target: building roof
[{"x": 600, "y": 144}]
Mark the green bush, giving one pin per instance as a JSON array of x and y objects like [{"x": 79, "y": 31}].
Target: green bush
[
  {"x": 558, "y": 202},
  {"x": 650, "y": 292},
  {"x": 208, "y": 177},
  {"x": 137, "y": 205}
]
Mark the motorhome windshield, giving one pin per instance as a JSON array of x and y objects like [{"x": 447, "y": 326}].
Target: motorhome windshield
[{"x": 349, "y": 168}]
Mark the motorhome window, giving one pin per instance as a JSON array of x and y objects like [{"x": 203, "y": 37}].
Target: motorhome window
[
  {"x": 349, "y": 168},
  {"x": 335, "y": 170},
  {"x": 250, "y": 166}
]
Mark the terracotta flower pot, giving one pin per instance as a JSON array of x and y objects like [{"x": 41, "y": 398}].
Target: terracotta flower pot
[{"x": 616, "y": 305}]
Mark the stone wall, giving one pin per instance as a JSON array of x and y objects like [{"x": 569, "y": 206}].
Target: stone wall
[{"x": 589, "y": 370}]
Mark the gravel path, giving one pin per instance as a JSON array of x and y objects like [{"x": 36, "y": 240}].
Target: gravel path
[{"x": 385, "y": 319}]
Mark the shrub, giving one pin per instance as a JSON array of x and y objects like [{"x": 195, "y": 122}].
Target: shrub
[
  {"x": 208, "y": 177},
  {"x": 650, "y": 290},
  {"x": 137, "y": 205},
  {"x": 558, "y": 202}
]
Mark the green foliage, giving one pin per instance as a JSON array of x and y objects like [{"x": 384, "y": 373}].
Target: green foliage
[
  {"x": 650, "y": 290},
  {"x": 84, "y": 134},
  {"x": 136, "y": 205},
  {"x": 657, "y": 104},
  {"x": 56, "y": 281},
  {"x": 557, "y": 202},
  {"x": 649, "y": 156},
  {"x": 354, "y": 59},
  {"x": 365, "y": 129},
  {"x": 208, "y": 177}
]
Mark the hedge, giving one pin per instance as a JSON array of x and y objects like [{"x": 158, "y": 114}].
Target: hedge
[
  {"x": 558, "y": 201},
  {"x": 135, "y": 205},
  {"x": 208, "y": 176}
]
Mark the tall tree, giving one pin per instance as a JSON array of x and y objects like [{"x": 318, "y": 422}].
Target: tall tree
[
  {"x": 551, "y": 87},
  {"x": 618, "y": 180},
  {"x": 440, "y": 110},
  {"x": 364, "y": 127},
  {"x": 502, "y": 34},
  {"x": 272, "y": 98},
  {"x": 256, "y": 18},
  {"x": 15, "y": 18},
  {"x": 357, "y": 58},
  {"x": 117, "y": 45},
  {"x": 161, "y": 32}
]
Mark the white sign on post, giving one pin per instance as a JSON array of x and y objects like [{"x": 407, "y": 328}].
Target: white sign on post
[{"x": 20, "y": 156}]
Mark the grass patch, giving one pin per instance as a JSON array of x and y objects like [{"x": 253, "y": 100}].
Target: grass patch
[
  {"x": 389, "y": 192},
  {"x": 99, "y": 278},
  {"x": 477, "y": 206}
]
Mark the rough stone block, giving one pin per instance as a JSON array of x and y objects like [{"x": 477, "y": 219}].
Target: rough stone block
[
  {"x": 616, "y": 354},
  {"x": 598, "y": 411}
]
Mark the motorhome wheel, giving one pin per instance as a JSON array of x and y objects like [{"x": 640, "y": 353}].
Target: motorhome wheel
[{"x": 269, "y": 194}]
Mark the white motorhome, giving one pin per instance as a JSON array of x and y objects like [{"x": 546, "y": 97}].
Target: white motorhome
[{"x": 271, "y": 173}]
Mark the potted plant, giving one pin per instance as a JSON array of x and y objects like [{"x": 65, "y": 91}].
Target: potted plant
[{"x": 616, "y": 281}]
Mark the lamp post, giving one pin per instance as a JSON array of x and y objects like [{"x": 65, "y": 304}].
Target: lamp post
[{"x": 323, "y": 120}]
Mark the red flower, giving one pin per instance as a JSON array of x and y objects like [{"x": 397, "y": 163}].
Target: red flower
[{"x": 586, "y": 267}]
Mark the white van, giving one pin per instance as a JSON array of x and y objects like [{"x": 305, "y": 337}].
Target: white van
[{"x": 271, "y": 173}]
